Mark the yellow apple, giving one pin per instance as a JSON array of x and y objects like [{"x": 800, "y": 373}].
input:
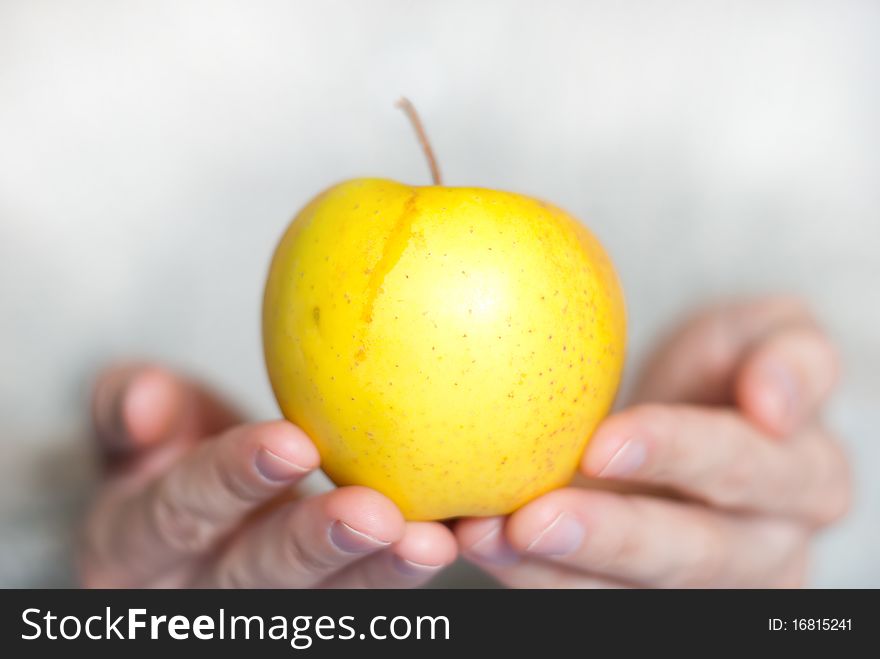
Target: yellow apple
[{"x": 452, "y": 348}]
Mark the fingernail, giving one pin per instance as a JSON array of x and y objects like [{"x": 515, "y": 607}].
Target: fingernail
[
  {"x": 493, "y": 548},
  {"x": 626, "y": 460},
  {"x": 109, "y": 413},
  {"x": 350, "y": 541},
  {"x": 115, "y": 414},
  {"x": 562, "y": 536},
  {"x": 780, "y": 391},
  {"x": 274, "y": 468},
  {"x": 410, "y": 568}
]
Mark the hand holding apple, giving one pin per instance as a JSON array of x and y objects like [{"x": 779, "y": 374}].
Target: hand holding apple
[
  {"x": 718, "y": 476},
  {"x": 453, "y": 349},
  {"x": 194, "y": 497}
]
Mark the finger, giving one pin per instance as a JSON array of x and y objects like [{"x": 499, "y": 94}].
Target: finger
[
  {"x": 188, "y": 509},
  {"x": 306, "y": 542},
  {"x": 786, "y": 378},
  {"x": 483, "y": 543},
  {"x": 716, "y": 456},
  {"x": 697, "y": 363},
  {"x": 654, "y": 543},
  {"x": 425, "y": 549},
  {"x": 135, "y": 406}
]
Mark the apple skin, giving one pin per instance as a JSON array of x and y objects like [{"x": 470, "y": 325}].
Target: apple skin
[{"x": 452, "y": 348}]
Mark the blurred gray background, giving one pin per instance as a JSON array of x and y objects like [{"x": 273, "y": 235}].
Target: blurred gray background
[{"x": 152, "y": 152}]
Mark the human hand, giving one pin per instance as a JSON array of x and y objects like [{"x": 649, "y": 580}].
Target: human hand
[
  {"x": 193, "y": 497},
  {"x": 718, "y": 476}
]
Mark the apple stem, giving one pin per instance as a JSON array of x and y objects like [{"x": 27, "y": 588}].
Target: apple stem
[{"x": 406, "y": 105}]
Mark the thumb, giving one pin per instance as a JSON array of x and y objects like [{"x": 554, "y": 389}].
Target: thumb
[
  {"x": 698, "y": 361},
  {"x": 137, "y": 406}
]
